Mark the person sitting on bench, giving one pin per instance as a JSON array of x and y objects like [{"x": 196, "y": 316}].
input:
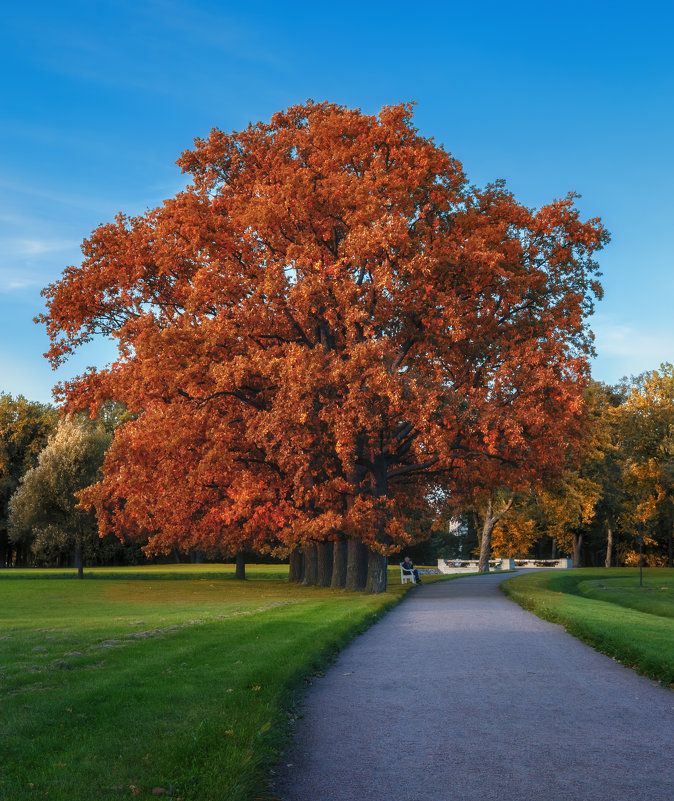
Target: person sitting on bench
[{"x": 407, "y": 565}]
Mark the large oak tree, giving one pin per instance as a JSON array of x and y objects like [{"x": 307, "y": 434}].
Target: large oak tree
[{"x": 333, "y": 319}]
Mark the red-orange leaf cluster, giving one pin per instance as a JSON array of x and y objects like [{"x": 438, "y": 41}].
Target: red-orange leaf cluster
[{"x": 327, "y": 323}]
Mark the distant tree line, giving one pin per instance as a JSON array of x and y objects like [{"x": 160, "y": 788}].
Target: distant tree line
[
  {"x": 615, "y": 497},
  {"x": 45, "y": 461},
  {"x": 25, "y": 428}
]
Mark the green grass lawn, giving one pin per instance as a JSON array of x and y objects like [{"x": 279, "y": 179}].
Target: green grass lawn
[
  {"x": 610, "y": 611},
  {"x": 174, "y": 681}
]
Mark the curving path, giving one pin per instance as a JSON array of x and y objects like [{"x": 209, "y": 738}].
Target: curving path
[{"x": 458, "y": 694}]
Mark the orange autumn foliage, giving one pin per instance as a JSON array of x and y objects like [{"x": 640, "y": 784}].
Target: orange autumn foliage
[{"x": 326, "y": 322}]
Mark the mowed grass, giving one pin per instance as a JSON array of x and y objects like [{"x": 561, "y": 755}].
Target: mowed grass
[
  {"x": 170, "y": 681},
  {"x": 610, "y": 611}
]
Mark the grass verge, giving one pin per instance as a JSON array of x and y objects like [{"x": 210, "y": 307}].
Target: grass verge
[
  {"x": 173, "y": 681},
  {"x": 610, "y": 611}
]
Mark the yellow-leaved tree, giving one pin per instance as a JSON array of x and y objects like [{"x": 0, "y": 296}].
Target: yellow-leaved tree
[
  {"x": 645, "y": 423},
  {"x": 44, "y": 512}
]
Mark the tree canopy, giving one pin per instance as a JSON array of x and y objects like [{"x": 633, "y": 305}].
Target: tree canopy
[
  {"x": 25, "y": 427},
  {"x": 619, "y": 482},
  {"x": 44, "y": 509},
  {"x": 328, "y": 320}
]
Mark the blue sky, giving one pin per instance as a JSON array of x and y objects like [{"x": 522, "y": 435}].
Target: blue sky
[{"x": 100, "y": 98}]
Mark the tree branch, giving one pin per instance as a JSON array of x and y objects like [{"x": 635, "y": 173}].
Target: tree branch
[
  {"x": 400, "y": 358},
  {"x": 304, "y": 338},
  {"x": 411, "y": 468}
]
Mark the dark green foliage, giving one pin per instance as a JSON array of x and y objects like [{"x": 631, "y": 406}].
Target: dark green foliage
[{"x": 25, "y": 427}]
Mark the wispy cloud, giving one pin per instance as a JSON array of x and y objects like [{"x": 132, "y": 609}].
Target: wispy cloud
[
  {"x": 13, "y": 284},
  {"x": 139, "y": 47},
  {"x": 16, "y": 280},
  {"x": 624, "y": 349},
  {"x": 25, "y": 191},
  {"x": 224, "y": 32},
  {"x": 30, "y": 262},
  {"x": 38, "y": 247},
  {"x": 619, "y": 339}
]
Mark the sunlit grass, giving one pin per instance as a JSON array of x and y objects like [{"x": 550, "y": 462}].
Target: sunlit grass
[
  {"x": 177, "y": 679},
  {"x": 655, "y": 597},
  {"x": 610, "y": 611}
]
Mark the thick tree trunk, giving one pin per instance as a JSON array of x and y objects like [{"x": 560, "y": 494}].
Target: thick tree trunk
[
  {"x": 21, "y": 554},
  {"x": 78, "y": 561},
  {"x": 377, "y": 577},
  {"x": 491, "y": 518},
  {"x": 339, "y": 561},
  {"x": 577, "y": 545},
  {"x": 553, "y": 554},
  {"x": 609, "y": 546},
  {"x": 355, "y": 570},
  {"x": 296, "y": 566},
  {"x": 356, "y": 566},
  {"x": 310, "y": 565},
  {"x": 324, "y": 563},
  {"x": 485, "y": 540},
  {"x": 5, "y": 550},
  {"x": 240, "y": 560}
]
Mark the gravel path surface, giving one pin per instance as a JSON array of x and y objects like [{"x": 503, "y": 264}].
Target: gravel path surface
[{"x": 458, "y": 694}]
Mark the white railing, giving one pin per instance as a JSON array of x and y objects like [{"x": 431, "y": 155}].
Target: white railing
[
  {"x": 471, "y": 565},
  {"x": 468, "y": 565},
  {"x": 553, "y": 563}
]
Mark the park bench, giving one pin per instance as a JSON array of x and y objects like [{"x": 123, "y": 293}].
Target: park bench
[{"x": 406, "y": 575}]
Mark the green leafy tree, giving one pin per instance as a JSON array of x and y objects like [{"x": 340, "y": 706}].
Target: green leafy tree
[
  {"x": 603, "y": 462},
  {"x": 645, "y": 425},
  {"x": 25, "y": 427},
  {"x": 44, "y": 512},
  {"x": 580, "y": 509}
]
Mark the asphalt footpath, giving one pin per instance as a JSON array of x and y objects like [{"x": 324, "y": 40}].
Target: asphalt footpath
[{"x": 458, "y": 694}]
